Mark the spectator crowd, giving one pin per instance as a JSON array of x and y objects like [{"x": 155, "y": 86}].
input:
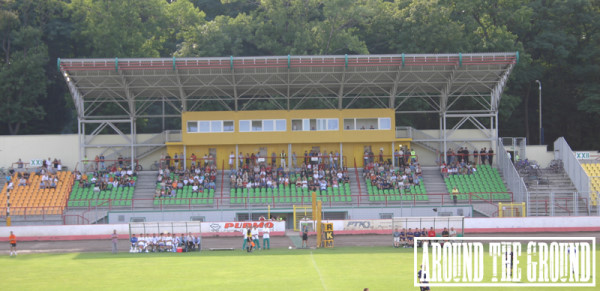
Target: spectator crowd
[
  {"x": 315, "y": 171},
  {"x": 384, "y": 175},
  {"x": 171, "y": 179}
]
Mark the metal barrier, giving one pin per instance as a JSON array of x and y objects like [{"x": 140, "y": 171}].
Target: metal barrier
[
  {"x": 512, "y": 177},
  {"x": 552, "y": 204},
  {"x": 360, "y": 200},
  {"x": 32, "y": 212},
  {"x": 563, "y": 152}
]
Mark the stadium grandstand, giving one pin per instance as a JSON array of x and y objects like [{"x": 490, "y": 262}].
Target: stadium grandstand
[{"x": 245, "y": 137}]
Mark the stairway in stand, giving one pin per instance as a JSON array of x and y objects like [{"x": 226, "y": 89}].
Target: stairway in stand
[
  {"x": 434, "y": 184},
  {"x": 145, "y": 189}
]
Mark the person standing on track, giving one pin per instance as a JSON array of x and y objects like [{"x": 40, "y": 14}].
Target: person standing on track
[
  {"x": 115, "y": 239},
  {"x": 305, "y": 237},
  {"x": 249, "y": 242},
  {"x": 245, "y": 237},
  {"x": 12, "y": 240},
  {"x": 396, "y": 236},
  {"x": 255, "y": 237},
  {"x": 266, "y": 239}
]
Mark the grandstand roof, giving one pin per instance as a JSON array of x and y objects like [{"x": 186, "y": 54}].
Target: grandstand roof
[
  {"x": 442, "y": 82},
  {"x": 458, "y": 88}
]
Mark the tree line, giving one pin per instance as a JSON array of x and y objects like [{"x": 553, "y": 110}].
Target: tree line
[{"x": 558, "y": 41}]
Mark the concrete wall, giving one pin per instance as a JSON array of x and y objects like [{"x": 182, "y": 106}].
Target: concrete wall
[
  {"x": 104, "y": 231},
  {"x": 230, "y": 215},
  {"x": 125, "y": 217},
  {"x": 533, "y": 224},
  {"x": 540, "y": 154},
  {"x": 472, "y": 225},
  {"x": 33, "y": 147},
  {"x": 374, "y": 213},
  {"x": 61, "y": 146}
]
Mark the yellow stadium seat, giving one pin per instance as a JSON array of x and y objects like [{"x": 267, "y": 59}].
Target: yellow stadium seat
[{"x": 42, "y": 199}]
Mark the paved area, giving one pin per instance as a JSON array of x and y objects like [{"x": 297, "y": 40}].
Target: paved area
[{"x": 236, "y": 242}]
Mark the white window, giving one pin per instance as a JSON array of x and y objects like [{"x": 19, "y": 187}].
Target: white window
[
  {"x": 366, "y": 123},
  {"x": 244, "y": 125},
  {"x": 305, "y": 124},
  {"x": 321, "y": 124},
  {"x": 256, "y": 125},
  {"x": 216, "y": 126},
  {"x": 296, "y": 124},
  {"x": 192, "y": 126},
  {"x": 204, "y": 126},
  {"x": 333, "y": 124},
  {"x": 280, "y": 125},
  {"x": 267, "y": 125},
  {"x": 228, "y": 126},
  {"x": 385, "y": 123}
]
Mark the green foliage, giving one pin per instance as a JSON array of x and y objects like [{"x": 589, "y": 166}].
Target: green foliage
[
  {"x": 558, "y": 41},
  {"x": 22, "y": 75}
]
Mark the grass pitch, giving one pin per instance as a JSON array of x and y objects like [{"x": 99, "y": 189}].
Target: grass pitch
[{"x": 345, "y": 268}]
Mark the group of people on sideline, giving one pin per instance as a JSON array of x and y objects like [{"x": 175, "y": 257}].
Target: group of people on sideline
[
  {"x": 165, "y": 242},
  {"x": 406, "y": 238}
]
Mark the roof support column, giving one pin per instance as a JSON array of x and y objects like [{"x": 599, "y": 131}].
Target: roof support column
[
  {"x": 394, "y": 90},
  {"x": 444, "y": 135},
  {"x": 182, "y": 96},
  {"x": 133, "y": 138},
  {"x": 81, "y": 138},
  {"x": 341, "y": 90},
  {"x": 235, "y": 92}
]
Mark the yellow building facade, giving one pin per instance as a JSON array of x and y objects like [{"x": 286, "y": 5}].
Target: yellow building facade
[{"x": 349, "y": 132}]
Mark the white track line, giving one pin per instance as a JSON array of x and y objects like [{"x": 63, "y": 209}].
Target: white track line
[{"x": 318, "y": 272}]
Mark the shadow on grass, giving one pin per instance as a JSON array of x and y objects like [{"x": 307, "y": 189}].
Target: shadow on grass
[{"x": 240, "y": 253}]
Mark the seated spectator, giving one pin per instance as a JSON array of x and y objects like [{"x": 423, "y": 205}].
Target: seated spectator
[
  {"x": 22, "y": 182},
  {"x": 53, "y": 182},
  {"x": 134, "y": 244},
  {"x": 197, "y": 241}
]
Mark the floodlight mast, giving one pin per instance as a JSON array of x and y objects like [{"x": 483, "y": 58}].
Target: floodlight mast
[{"x": 540, "y": 110}]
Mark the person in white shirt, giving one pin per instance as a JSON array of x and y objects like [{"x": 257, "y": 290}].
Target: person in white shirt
[
  {"x": 266, "y": 239},
  {"x": 254, "y": 233},
  {"x": 323, "y": 185},
  {"x": 452, "y": 232},
  {"x": 152, "y": 242},
  {"x": 172, "y": 242},
  {"x": 244, "y": 237},
  {"x": 143, "y": 243}
]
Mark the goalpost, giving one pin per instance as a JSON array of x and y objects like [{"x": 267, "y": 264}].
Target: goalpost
[
  {"x": 510, "y": 209},
  {"x": 437, "y": 222}
]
